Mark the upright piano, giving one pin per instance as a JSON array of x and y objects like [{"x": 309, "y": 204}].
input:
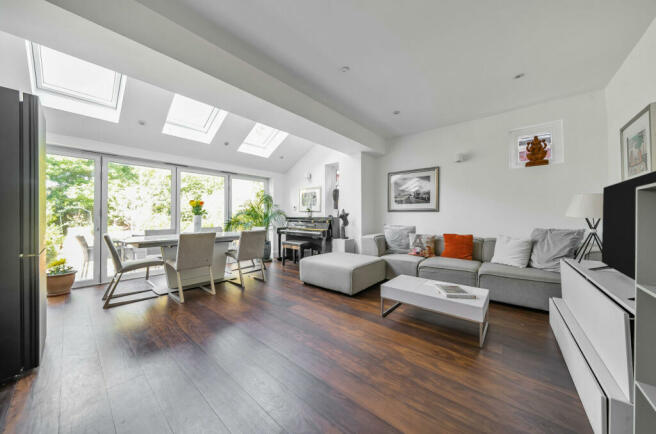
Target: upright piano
[{"x": 316, "y": 230}]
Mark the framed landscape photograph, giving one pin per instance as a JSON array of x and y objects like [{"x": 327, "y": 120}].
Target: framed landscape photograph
[
  {"x": 637, "y": 141},
  {"x": 309, "y": 197},
  {"x": 413, "y": 190}
]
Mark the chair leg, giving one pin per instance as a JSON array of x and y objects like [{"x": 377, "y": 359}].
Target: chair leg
[
  {"x": 212, "y": 281},
  {"x": 211, "y": 289},
  {"x": 284, "y": 254},
  {"x": 108, "y": 287},
  {"x": 180, "y": 297},
  {"x": 111, "y": 293},
  {"x": 241, "y": 276},
  {"x": 147, "y": 272},
  {"x": 262, "y": 270}
]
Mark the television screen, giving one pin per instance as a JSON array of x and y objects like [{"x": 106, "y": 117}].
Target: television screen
[{"x": 619, "y": 223}]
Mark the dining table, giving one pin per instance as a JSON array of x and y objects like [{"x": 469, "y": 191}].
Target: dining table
[{"x": 190, "y": 278}]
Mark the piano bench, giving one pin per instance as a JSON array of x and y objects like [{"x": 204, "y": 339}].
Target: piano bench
[{"x": 294, "y": 246}]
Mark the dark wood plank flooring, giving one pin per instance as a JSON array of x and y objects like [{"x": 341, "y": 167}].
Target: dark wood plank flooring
[{"x": 285, "y": 357}]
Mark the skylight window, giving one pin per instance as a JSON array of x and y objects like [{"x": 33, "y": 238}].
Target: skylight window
[
  {"x": 262, "y": 141},
  {"x": 67, "y": 83},
  {"x": 193, "y": 120}
]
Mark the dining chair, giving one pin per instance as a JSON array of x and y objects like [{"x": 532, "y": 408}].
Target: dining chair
[
  {"x": 87, "y": 253},
  {"x": 156, "y": 251},
  {"x": 195, "y": 251},
  {"x": 121, "y": 267},
  {"x": 251, "y": 248}
]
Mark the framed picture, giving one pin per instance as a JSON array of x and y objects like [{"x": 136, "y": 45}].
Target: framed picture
[
  {"x": 413, "y": 190},
  {"x": 637, "y": 143},
  {"x": 309, "y": 197}
]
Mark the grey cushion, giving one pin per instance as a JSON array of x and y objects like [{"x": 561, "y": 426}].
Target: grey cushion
[
  {"x": 141, "y": 263},
  {"x": 462, "y": 271},
  {"x": 401, "y": 264},
  {"x": 489, "y": 245},
  {"x": 552, "y": 245},
  {"x": 344, "y": 272},
  {"x": 398, "y": 237},
  {"x": 528, "y": 273},
  {"x": 529, "y": 287},
  {"x": 451, "y": 264}
]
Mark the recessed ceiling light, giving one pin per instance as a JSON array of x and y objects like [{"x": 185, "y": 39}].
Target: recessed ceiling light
[
  {"x": 141, "y": 122},
  {"x": 396, "y": 112},
  {"x": 345, "y": 69},
  {"x": 518, "y": 76}
]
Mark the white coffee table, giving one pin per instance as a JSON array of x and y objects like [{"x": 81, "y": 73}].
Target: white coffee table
[{"x": 421, "y": 293}]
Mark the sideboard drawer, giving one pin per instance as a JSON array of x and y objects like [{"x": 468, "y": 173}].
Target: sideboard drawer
[{"x": 592, "y": 396}]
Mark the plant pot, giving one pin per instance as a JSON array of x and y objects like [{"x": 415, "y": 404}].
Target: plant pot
[
  {"x": 60, "y": 284},
  {"x": 267, "y": 250},
  {"x": 198, "y": 223}
]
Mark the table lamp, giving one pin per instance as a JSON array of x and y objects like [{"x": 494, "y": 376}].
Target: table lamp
[{"x": 589, "y": 206}]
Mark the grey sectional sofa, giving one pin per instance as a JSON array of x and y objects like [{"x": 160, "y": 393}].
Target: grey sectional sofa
[{"x": 529, "y": 287}]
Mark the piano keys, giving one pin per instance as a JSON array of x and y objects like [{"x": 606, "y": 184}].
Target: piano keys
[{"x": 316, "y": 230}]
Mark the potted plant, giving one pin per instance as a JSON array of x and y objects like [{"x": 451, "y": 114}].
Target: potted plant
[
  {"x": 60, "y": 277},
  {"x": 198, "y": 212},
  {"x": 260, "y": 212}
]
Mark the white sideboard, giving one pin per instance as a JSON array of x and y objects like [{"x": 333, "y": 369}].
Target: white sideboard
[{"x": 593, "y": 324}]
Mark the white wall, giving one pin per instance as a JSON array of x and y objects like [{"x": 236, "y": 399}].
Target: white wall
[
  {"x": 350, "y": 194},
  {"x": 483, "y": 195},
  {"x": 631, "y": 89}
]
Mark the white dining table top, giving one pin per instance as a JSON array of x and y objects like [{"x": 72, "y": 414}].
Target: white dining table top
[{"x": 172, "y": 239}]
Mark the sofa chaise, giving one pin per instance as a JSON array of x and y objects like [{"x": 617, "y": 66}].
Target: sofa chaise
[{"x": 528, "y": 287}]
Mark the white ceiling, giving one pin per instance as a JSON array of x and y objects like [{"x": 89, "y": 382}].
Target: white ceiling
[
  {"x": 438, "y": 62},
  {"x": 143, "y": 101}
]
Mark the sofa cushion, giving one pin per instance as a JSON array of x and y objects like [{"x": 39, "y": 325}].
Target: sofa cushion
[
  {"x": 451, "y": 264},
  {"x": 512, "y": 251},
  {"x": 401, "y": 264},
  {"x": 477, "y": 254},
  {"x": 422, "y": 245},
  {"x": 461, "y": 271},
  {"x": 529, "y": 273},
  {"x": 552, "y": 245},
  {"x": 458, "y": 246},
  {"x": 397, "y": 237}
]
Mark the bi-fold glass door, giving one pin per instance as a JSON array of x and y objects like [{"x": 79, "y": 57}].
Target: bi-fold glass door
[
  {"x": 138, "y": 198},
  {"x": 73, "y": 212},
  {"x": 90, "y": 194}
]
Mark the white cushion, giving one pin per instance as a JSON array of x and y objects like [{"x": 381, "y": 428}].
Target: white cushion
[{"x": 512, "y": 251}]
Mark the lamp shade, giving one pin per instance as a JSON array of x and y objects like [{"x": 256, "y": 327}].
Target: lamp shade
[{"x": 586, "y": 205}]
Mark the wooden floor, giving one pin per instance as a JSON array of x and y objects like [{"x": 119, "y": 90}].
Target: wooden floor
[{"x": 285, "y": 357}]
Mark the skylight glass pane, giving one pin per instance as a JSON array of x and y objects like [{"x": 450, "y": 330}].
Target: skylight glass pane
[
  {"x": 260, "y": 135},
  {"x": 192, "y": 114},
  {"x": 59, "y": 72},
  {"x": 262, "y": 140},
  {"x": 193, "y": 120}
]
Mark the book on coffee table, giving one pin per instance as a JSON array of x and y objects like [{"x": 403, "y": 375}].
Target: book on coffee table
[{"x": 453, "y": 291}]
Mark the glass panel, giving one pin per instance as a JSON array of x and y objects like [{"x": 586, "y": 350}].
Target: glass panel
[
  {"x": 244, "y": 190},
  {"x": 208, "y": 188},
  {"x": 72, "y": 76},
  {"x": 138, "y": 201},
  {"x": 262, "y": 141},
  {"x": 69, "y": 212}
]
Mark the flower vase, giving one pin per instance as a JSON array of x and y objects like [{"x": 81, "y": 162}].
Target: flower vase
[{"x": 198, "y": 223}]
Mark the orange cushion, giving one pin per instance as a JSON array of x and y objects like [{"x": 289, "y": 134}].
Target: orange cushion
[{"x": 458, "y": 246}]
